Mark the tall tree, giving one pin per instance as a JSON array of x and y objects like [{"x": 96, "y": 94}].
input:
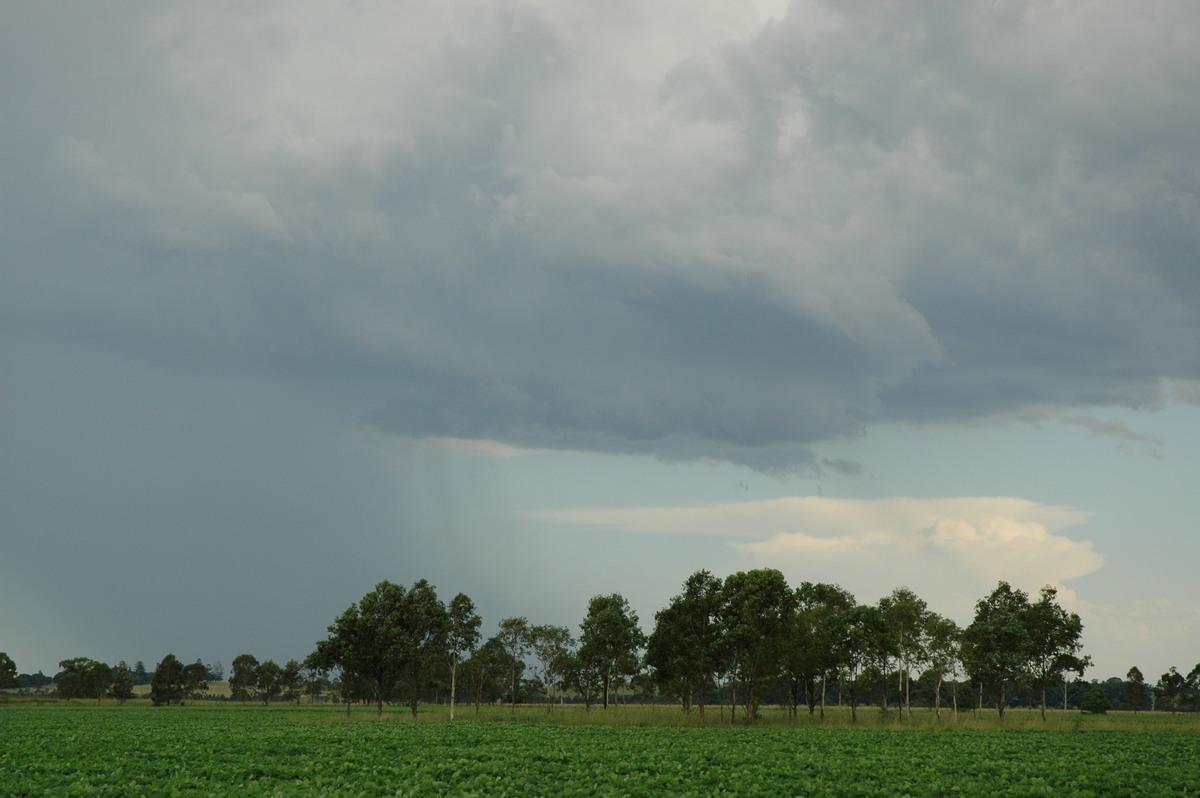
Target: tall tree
[
  {"x": 122, "y": 687},
  {"x": 819, "y": 646},
  {"x": 996, "y": 646},
  {"x": 140, "y": 675},
  {"x": 942, "y": 640},
  {"x": 610, "y": 638},
  {"x": 484, "y": 669},
  {"x": 84, "y": 677},
  {"x": 1135, "y": 689},
  {"x": 8, "y": 672},
  {"x": 1170, "y": 688},
  {"x": 388, "y": 636},
  {"x": 291, "y": 681},
  {"x": 756, "y": 611},
  {"x": 552, "y": 647},
  {"x": 1054, "y": 641},
  {"x": 906, "y": 613},
  {"x": 194, "y": 679},
  {"x": 867, "y": 643},
  {"x": 683, "y": 650},
  {"x": 243, "y": 680},
  {"x": 461, "y": 639},
  {"x": 270, "y": 682},
  {"x": 514, "y": 638},
  {"x": 424, "y": 626},
  {"x": 166, "y": 686}
]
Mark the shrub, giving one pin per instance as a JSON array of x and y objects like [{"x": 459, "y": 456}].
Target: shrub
[{"x": 1095, "y": 702}]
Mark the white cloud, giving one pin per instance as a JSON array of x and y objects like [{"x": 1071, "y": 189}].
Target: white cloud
[{"x": 950, "y": 550}]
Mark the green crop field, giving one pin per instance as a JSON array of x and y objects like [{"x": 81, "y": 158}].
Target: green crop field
[{"x": 132, "y": 750}]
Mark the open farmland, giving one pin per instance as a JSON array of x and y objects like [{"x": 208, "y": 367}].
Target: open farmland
[{"x": 251, "y": 751}]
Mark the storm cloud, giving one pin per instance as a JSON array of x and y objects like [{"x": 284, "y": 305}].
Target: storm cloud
[
  {"x": 248, "y": 247},
  {"x": 588, "y": 229}
]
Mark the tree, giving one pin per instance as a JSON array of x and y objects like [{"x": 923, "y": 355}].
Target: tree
[
  {"x": 389, "y": 636},
  {"x": 140, "y": 676},
  {"x": 291, "y": 681},
  {"x": 1170, "y": 688},
  {"x": 1095, "y": 702},
  {"x": 122, "y": 686},
  {"x": 194, "y": 679},
  {"x": 166, "y": 686},
  {"x": 514, "y": 638},
  {"x": 552, "y": 646},
  {"x": 996, "y": 646},
  {"x": 1054, "y": 640},
  {"x": 484, "y": 669},
  {"x": 906, "y": 613},
  {"x": 942, "y": 638},
  {"x": 584, "y": 677},
  {"x": 818, "y": 649},
  {"x": 424, "y": 626},
  {"x": 84, "y": 677},
  {"x": 683, "y": 650},
  {"x": 8, "y": 672},
  {"x": 868, "y": 644},
  {"x": 243, "y": 680},
  {"x": 755, "y": 614},
  {"x": 1135, "y": 690},
  {"x": 461, "y": 639},
  {"x": 609, "y": 639},
  {"x": 269, "y": 683}
]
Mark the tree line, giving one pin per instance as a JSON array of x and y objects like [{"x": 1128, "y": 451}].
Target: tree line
[{"x": 742, "y": 641}]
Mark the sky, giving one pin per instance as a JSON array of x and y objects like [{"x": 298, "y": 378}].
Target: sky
[{"x": 541, "y": 300}]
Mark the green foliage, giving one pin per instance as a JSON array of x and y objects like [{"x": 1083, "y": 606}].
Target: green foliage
[
  {"x": 392, "y": 637},
  {"x": 756, "y": 619},
  {"x": 609, "y": 640},
  {"x": 122, "y": 686},
  {"x": 166, "y": 687},
  {"x": 244, "y": 679},
  {"x": 8, "y": 672},
  {"x": 1095, "y": 702},
  {"x": 110, "y": 751}
]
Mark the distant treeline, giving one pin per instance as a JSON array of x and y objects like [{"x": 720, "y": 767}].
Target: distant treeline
[{"x": 740, "y": 642}]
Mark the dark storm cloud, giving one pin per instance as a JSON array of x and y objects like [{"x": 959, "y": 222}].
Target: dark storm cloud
[{"x": 528, "y": 224}]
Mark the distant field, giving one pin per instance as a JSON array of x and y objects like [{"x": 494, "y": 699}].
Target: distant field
[{"x": 219, "y": 749}]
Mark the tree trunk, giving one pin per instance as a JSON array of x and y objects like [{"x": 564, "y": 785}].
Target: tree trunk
[{"x": 453, "y": 686}]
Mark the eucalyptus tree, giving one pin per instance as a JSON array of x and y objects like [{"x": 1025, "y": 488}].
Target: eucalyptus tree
[
  {"x": 943, "y": 641},
  {"x": 683, "y": 651},
  {"x": 905, "y": 613},
  {"x": 270, "y": 680},
  {"x": 1170, "y": 688},
  {"x": 8, "y": 672},
  {"x": 1054, "y": 641},
  {"x": 819, "y": 648},
  {"x": 514, "y": 637},
  {"x": 868, "y": 645},
  {"x": 997, "y": 646},
  {"x": 484, "y": 669},
  {"x": 84, "y": 677},
  {"x": 194, "y": 679},
  {"x": 552, "y": 645},
  {"x": 1135, "y": 689},
  {"x": 166, "y": 686},
  {"x": 389, "y": 636},
  {"x": 755, "y": 614},
  {"x": 461, "y": 638},
  {"x": 610, "y": 640},
  {"x": 122, "y": 686},
  {"x": 243, "y": 677}
]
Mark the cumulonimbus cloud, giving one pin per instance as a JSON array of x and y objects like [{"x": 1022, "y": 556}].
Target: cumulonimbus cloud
[{"x": 969, "y": 542}]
